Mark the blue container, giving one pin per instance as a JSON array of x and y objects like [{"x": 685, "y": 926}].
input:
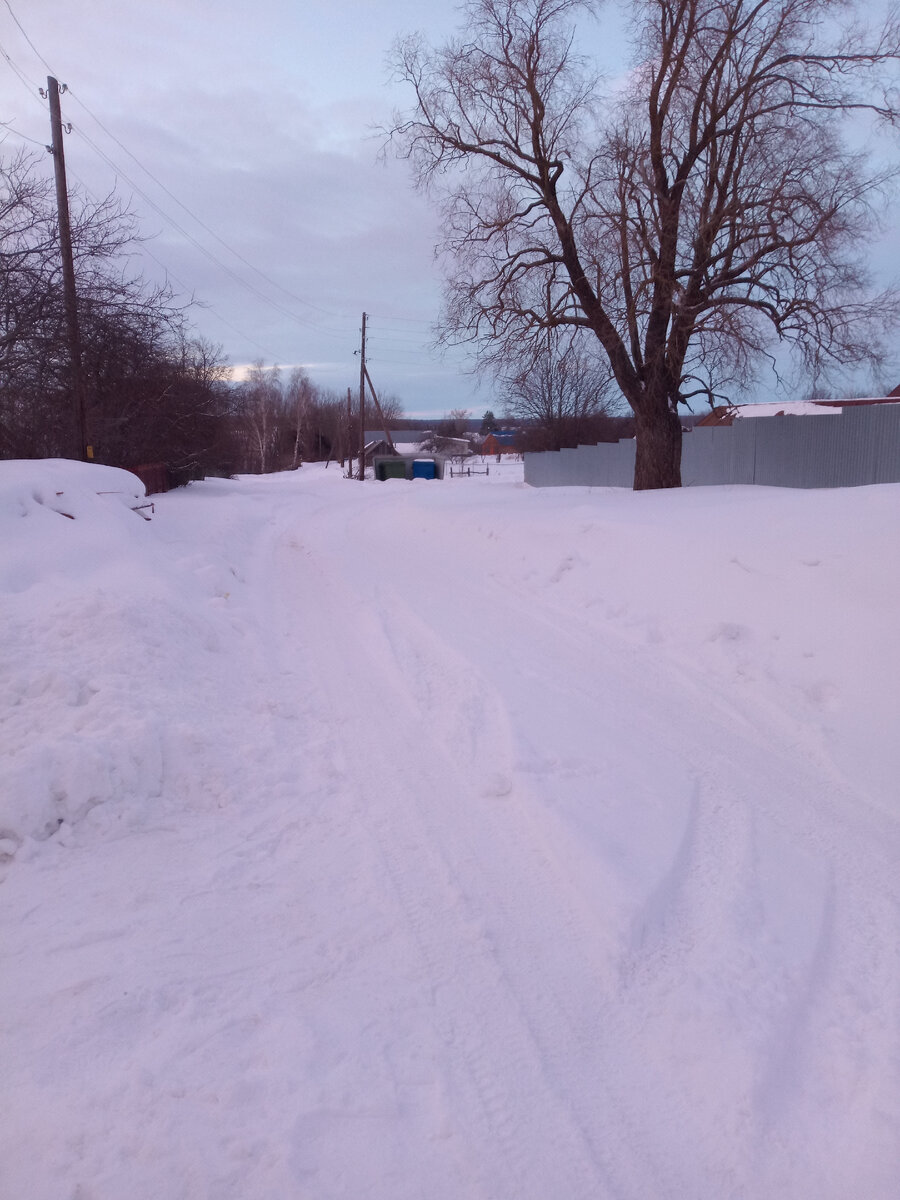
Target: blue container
[{"x": 423, "y": 468}]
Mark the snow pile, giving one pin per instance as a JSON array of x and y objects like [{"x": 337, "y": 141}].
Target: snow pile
[
  {"x": 454, "y": 840},
  {"x": 64, "y": 528},
  {"x": 32, "y": 499},
  {"x": 99, "y": 629}
]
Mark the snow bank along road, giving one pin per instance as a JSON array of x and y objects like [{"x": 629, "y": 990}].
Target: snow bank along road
[{"x": 448, "y": 840}]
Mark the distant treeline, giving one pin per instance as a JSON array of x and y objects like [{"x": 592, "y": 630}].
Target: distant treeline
[{"x": 154, "y": 392}]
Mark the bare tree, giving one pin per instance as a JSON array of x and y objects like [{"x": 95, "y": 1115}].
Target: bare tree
[
  {"x": 391, "y": 411},
  {"x": 27, "y": 242},
  {"x": 455, "y": 425},
  {"x": 299, "y": 397},
  {"x": 689, "y": 221},
  {"x": 153, "y": 394},
  {"x": 35, "y": 413},
  {"x": 261, "y": 409},
  {"x": 331, "y": 435},
  {"x": 561, "y": 395}
]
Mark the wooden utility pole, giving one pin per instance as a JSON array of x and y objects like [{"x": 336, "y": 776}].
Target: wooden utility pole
[
  {"x": 387, "y": 432},
  {"x": 349, "y": 434},
  {"x": 70, "y": 298},
  {"x": 362, "y": 402}
]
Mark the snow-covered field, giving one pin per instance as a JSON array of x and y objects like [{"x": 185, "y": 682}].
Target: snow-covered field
[{"x": 454, "y": 840}]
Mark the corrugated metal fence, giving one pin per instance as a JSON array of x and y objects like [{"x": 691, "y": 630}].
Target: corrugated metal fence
[{"x": 856, "y": 447}]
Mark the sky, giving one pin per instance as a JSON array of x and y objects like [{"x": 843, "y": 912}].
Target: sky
[
  {"x": 245, "y": 139},
  {"x": 260, "y": 121}
]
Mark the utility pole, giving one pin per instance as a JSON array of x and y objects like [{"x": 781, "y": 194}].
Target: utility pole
[
  {"x": 349, "y": 434},
  {"x": 70, "y": 299},
  {"x": 387, "y": 432},
  {"x": 362, "y": 402}
]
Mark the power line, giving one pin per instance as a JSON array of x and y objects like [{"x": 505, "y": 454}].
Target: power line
[
  {"x": 27, "y": 38},
  {"x": 7, "y": 125},
  {"x": 273, "y": 282},
  {"x": 390, "y": 340},
  {"x": 240, "y": 280},
  {"x": 407, "y": 320},
  {"x": 209, "y": 307},
  {"x": 424, "y": 364},
  {"x": 203, "y": 225},
  {"x": 205, "y": 305},
  {"x": 166, "y": 217},
  {"x": 302, "y": 321},
  {"x": 28, "y": 83}
]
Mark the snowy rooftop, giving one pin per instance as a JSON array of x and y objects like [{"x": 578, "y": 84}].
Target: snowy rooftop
[{"x": 794, "y": 408}]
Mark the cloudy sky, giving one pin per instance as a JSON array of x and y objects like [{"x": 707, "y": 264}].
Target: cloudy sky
[
  {"x": 243, "y": 135},
  {"x": 258, "y": 119}
]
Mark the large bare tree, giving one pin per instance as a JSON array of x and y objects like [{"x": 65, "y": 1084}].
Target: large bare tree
[{"x": 705, "y": 209}]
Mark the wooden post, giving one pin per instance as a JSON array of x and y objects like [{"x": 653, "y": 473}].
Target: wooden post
[
  {"x": 70, "y": 298},
  {"x": 387, "y": 432},
  {"x": 362, "y": 402},
  {"x": 349, "y": 434}
]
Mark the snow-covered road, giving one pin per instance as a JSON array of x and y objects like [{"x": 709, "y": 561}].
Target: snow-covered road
[{"x": 450, "y": 840}]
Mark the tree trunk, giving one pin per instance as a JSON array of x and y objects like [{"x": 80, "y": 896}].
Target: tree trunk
[
  {"x": 296, "y": 448},
  {"x": 657, "y": 462}
]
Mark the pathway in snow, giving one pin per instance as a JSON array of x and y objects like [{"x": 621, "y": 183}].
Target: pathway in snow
[{"x": 457, "y": 888}]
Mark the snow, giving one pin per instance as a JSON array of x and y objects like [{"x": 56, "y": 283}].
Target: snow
[
  {"x": 793, "y": 408},
  {"x": 447, "y": 839}
]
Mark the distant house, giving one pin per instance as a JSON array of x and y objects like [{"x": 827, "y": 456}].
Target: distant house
[
  {"x": 500, "y": 443},
  {"x": 449, "y": 447},
  {"x": 406, "y": 441},
  {"x": 379, "y": 446}
]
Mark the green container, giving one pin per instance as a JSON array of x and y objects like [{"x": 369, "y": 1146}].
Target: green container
[{"x": 393, "y": 470}]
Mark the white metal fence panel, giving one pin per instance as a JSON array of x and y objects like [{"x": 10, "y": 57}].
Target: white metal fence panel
[{"x": 857, "y": 447}]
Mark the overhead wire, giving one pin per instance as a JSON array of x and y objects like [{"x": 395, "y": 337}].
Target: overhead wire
[
  {"x": 33, "y": 88},
  {"x": 205, "y": 305},
  {"x": 425, "y": 342},
  {"x": 203, "y": 225},
  {"x": 28, "y": 82},
  {"x": 190, "y": 237},
  {"x": 7, "y": 125},
  {"x": 27, "y": 38},
  {"x": 241, "y": 258},
  {"x": 210, "y": 308},
  {"x": 239, "y": 279},
  {"x": 302, "y": 321},
  {"x": 394, "y": 317}
]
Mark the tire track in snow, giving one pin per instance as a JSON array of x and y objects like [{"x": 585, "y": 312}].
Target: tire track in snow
[
  {"x": 757, "y": 865},
  {"x": 720, "y": 910},
  {"x": 752, "y": 869},
  {"x": 528, "y": 1142},
  {"x": 565, "y": 979},
  {"x": 586, "y": 1014}
]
